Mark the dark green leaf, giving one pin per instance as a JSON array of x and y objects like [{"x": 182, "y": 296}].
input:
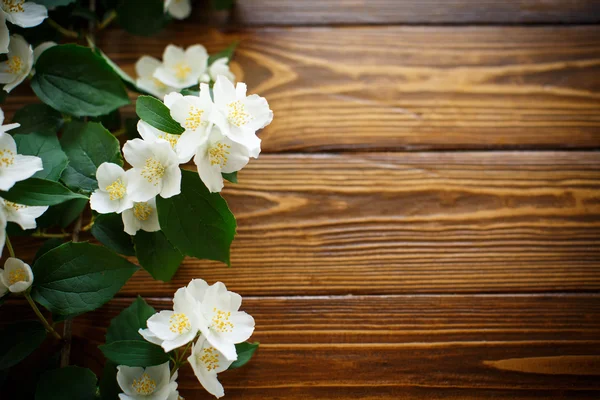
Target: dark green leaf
[
  {"x": 126, "y": 325},
  {"x": 110, "y": 121},
  {"x": 223, "y": 4},
  {"x": 37, "y": 118},
  {"x": 47, "y": 147},
  {"x": 156, "y": 255},
  {"x": 127, "y": 80},
  {"x": 54, "y": 3},
  {"x": 47, "y": 246},
  {"x": 68, "y": 383},
  {"x": 78, "y": 277},
  {"x": 74, "y": 80},
  {"x": 197, "y": 222},
  {"x": 244, "y": 351},
  {"x": 87, "y": 145},
  {"x": 108, "y": 229},
  {"x": 109, "y": 387},
  {"x": 232, "y": 177},
  {"x": 141, "y": 17},
  {"x": 19, "y": 340},
  {"x": 190, "y": 92},
  {"x": 134, "y": 353},
  {"x": 62, "y": 214},
  {"x": 227, "y": 53},
  {"x": 39, "y": 192},
  {"x": 155, "y": 113}
]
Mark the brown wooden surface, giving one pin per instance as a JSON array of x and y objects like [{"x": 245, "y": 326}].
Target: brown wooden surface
[
  {"x": 378, "y": 263},
  {"x": 324, "y": 12}
]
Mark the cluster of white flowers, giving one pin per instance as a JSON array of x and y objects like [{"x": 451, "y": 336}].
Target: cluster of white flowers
[
  {"x": 178, "y": 70},
  {"x": 208, "y": 315},
  {"x": 220, "y": 135},
  {"x": 14, "y": 168}
]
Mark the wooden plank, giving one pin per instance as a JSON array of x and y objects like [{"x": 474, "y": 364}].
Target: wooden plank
[
  {"x": 406, "y": 223},
  {"x": 406, "y": 88},
  {"x": 458, "y": 347},
  {"x": 326, "y": 12}
]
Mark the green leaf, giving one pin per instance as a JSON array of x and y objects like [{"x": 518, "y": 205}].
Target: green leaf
[
  {"x": 244, "y": 351},
  {"x": 109, "y": 388},
  {"x": 227, "y": 53},
  {"x": 47, "y": 147},
  {"x": 68, "y": 383},
  {"x": 47, "y": 246},
  {"x": 127, "y": 80},
  {"x": 62, "y": 214},
  {"x": 134, "y": 353},
  {"x": 74, "y": 80},
  {"x": 223, "y": 4},
  {"x": 37, "y": 118},
  {"x": 141, "y": 17},
  {"x": 109, "y": 230},
  {"x": 156, "y": 255},
  {"x": 125, "y": 326},
  {"x": 54, "y": 3},
  {"x": 39, "y": 192},
  {"x": 78, "y": 277},
  {"x": 197, "y": 222},
  {"x": 19, "y": 340},
  {"x": 231, "y": 177},
  {"x": 87, "y": 145},
  {"x": 155, "y": 113}
]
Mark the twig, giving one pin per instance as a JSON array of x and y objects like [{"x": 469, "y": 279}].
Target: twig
[
  {"x": 11, "y": 251},
  {"x": 107, "y": 21},
  {"x": 39, "y": 314},
  {"x": 63, "y": 31}
]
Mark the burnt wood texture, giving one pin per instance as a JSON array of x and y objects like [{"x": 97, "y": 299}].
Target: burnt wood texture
[{"x": 424, "y": 221}]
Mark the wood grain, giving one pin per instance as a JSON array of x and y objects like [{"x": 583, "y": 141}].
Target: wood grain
[
  {"x": 406, "y": 223},
  {"x": 327, "y": 12},
  {"x": 474, "y": 346},
  {"x": 406, "y": 88}
]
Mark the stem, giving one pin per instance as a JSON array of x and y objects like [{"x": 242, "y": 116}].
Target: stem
[
  {"x": 63, "y": 31},
  {"x": 10, "y": 248},
  {"x": 107, "y": 20},
  {"x": 180, "y": 358},
  {"x": 37, "y": 312},
  {"x": 40, "y": 234},
  {"x": 65, "y": 352}
]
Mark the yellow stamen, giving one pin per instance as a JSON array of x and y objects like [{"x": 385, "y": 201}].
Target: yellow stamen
[
  {"x": 209, "y": 358},
  {"x": 7, "y": 158},
  {"x": 172, "y": 139},
  {"x": 159, "y": 84},
  {"x": 142, "y": 211},
  {"x": 194, "y": 119},
  {"x": 218, "y": 154},
  {"x": 14, "y": 65},
  {"x": 14, "y": 6},
  {"x": 179, "y": 323},
  {"x": 14, "y": 206},
  {"x": 116, "y": 190},
  {"x": 153, "y": 171},
  {"x": 182, "y": 70},
  {"x": 220, "y": 321},
  {"x": 17, "y": 275},
  {"x": 145, "y": 385},
  {"x": 238, "y": 114}
]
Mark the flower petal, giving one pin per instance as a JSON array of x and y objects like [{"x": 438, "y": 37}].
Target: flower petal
[
  {"x": 180, "y": 9},
  {"x": 32, "y": 15},
  {"x": 145, "y": 66}
]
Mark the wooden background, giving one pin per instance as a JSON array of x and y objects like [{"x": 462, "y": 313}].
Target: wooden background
[{"x": 424, "y": 221}]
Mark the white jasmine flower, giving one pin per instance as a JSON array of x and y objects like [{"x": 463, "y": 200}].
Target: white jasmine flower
[
  {"x": 219, "y": 154},
  {"x": 155, "y": 169},
  {"x": 142, "y": 215},
  {"x": 3, "y": 223},
  {"x": 4, "y": 34},
  {"x": 3, "y": 289},
  {"x": 111, "y": 195},
  {"x": 194, "y": 114},
  {"x": 178, "y": 9},
  {"x": 14, "y": 167},
  {"x": 245, "y": 114},
  {"x": 225, "y": 324},
  {"x": 218, "y": 67},
  {"x": 40, "y": 48},
  {"x": 207, "y": 362},
  {"x": 173, "y": 329},
  {"x": 16, "y": 275},
  {"x": 150, "y": 383},
  {"x": 145, "y": 68},
  {"x": 18, "y": 66},
  {"x": 175, "y": 396},
  {"x": 181, "y": 69},
  {"x": 22, "y": 13},
  {"x": 21, "y": 214},
  {"x": 183, "y": 145}
]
